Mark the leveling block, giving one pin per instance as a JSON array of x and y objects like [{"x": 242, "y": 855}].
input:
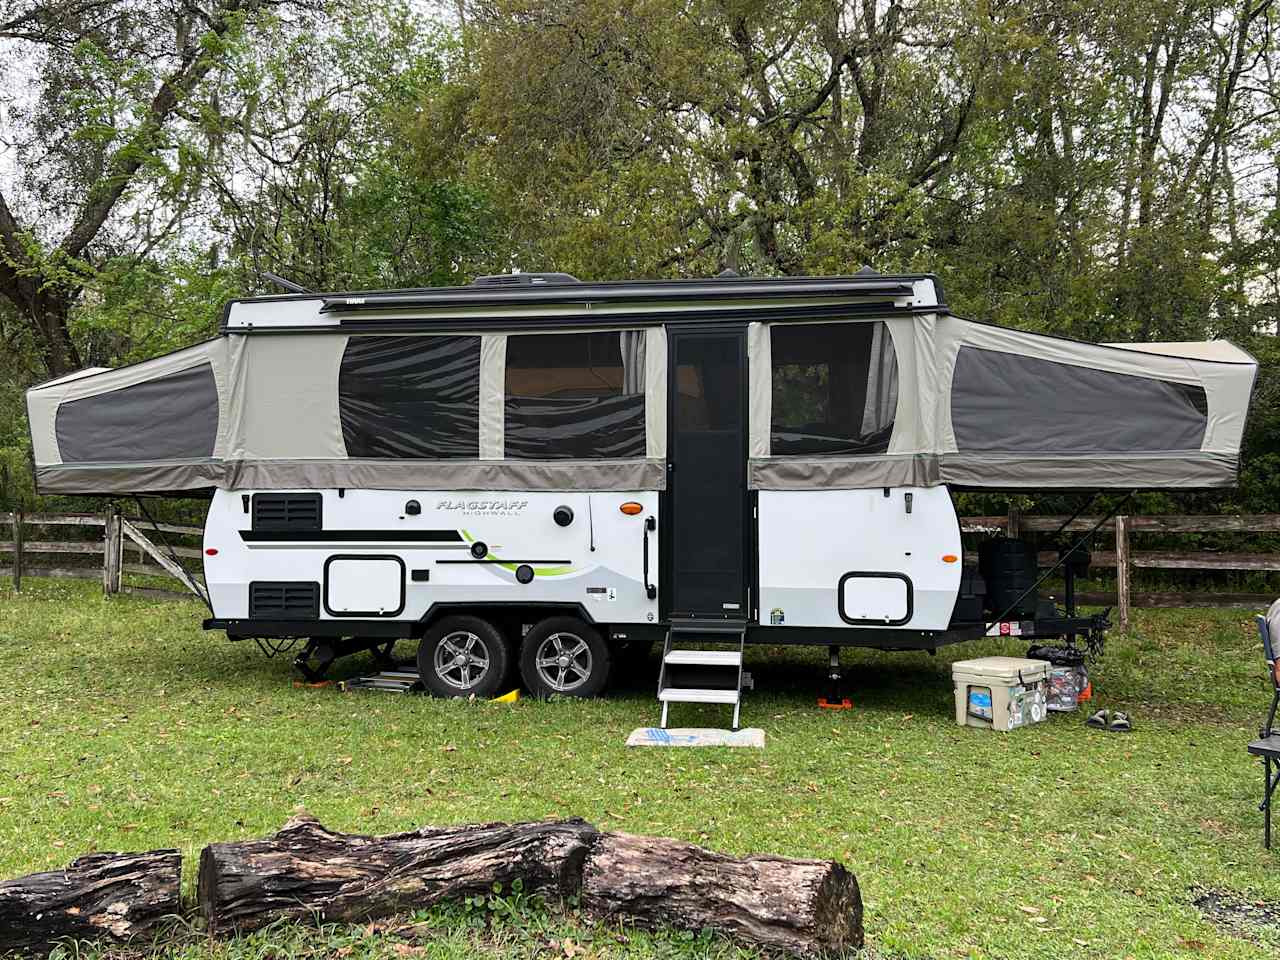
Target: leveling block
[{"x": 696, "y": 737}]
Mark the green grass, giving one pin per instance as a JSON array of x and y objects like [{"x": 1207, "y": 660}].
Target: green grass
[{"x": 127, "y": 727}]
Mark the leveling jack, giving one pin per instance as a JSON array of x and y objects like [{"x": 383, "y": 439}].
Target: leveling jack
[{"x": 834, "y": 700}]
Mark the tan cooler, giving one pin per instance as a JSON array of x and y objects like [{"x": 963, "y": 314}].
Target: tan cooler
[{"x": 1001, "y": 693}]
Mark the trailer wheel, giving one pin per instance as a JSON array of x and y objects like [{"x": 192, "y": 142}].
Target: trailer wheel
[
  {"x": 463, "y": 656},
  {"x": 565, "y": 656}
]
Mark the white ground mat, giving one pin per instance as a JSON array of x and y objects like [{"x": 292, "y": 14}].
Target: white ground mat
[{"x": 695, "y": 737}]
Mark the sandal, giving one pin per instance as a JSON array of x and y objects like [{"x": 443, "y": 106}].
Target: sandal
[
  {"x": 1120, "y": 723},
  {"x": 1101, "y": 720}
]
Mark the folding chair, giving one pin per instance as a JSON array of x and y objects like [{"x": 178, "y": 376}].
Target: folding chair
[{"x": 1268, "y": 745}]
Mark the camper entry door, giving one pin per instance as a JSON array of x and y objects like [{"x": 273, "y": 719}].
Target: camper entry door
[{"x": 707, "y": 503}]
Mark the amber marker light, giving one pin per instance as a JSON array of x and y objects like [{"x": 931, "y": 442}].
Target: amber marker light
[
  {"x": 949, "y": 558},
  {"x": 631, "y": 508}
]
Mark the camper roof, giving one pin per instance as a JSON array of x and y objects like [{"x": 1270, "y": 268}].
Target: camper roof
[{"x": 554, "y": 299}]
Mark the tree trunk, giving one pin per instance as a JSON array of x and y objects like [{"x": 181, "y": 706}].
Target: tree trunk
[
  {"x": 801, "y": 906},
  {"x": 111, "y": 895},
  {"x": 306, "y": 870}
]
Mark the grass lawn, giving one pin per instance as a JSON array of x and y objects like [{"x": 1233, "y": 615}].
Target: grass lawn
[{"x": 127, "y": 727}]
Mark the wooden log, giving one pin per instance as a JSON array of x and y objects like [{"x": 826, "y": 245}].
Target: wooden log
[
  {"x": 805, "y": 907},
  {"x": 115, "y": 896},
  {"x": 308, "y": 871}
]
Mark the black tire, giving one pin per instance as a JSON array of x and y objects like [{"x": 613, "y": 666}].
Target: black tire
[
  {"x": 583, "y": 660},
  {"x": 441, "y": 663}
]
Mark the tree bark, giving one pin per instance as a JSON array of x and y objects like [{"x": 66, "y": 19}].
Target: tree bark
[
  {"x": 103, "y": 895},
  {"x": 306, "y": 870},
  {"x": 802, "y": 906}
]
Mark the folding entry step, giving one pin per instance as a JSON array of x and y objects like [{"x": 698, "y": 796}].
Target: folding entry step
[
  {"x": 693, "y": 673},
  {"x": 391, "y": 681}
]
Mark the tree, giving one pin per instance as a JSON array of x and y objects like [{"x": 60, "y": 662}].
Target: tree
[
  {"x": 662, "y": 137},
  {"x": 95, "y": 144}
]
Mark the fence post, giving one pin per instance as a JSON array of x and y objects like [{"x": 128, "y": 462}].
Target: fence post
[
  {"x": 1122, "y": 573},
  {"x": 17, "y": 550},
  {"x": 111, "y": 552},
  {"x": 1013, "y": 526}
]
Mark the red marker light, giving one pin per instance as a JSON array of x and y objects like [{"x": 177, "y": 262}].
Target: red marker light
[{"x": 210, "y": 551}]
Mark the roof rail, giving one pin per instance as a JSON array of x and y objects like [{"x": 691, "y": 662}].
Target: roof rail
[{"x": 522, "y": 279}]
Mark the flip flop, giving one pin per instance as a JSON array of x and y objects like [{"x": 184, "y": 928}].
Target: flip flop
[
  {"x": 1120, "y": 723},
  {"x": 1100, "y": 720}
]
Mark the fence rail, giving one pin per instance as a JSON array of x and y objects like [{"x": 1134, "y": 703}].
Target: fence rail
[{"x": 125, "y": 548}]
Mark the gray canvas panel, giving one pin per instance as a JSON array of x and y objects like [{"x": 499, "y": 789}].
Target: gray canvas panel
[
  {"x": 172, "y": 417},
  {"x": 1004, "y": 403},
  {"x": 844, "y": 473},
  {"x": 1193, "y": 471},
  {"x": 126, "y": 478},
  {"x": 513, "y": 475}
]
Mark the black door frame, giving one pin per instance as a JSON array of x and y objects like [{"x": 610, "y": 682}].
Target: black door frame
[{"x": 666, "y": 567}]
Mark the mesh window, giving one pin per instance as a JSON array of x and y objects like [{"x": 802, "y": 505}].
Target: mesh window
[
  {"x": 1005, "y": 402},
  {"x": 835, "y": 388},
  {"x": 174, "y": 417},
  {"x": 409, "y": 398},
  {"x": 575, "y": 396}
]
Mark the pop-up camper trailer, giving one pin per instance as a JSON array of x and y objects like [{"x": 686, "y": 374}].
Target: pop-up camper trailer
[{"x": 536, "y": 469}]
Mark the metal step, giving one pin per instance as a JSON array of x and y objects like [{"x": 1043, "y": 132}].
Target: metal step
[
  {"x": 705, "y": 658},
  {"x": 392, "y": 681},
  {"x": 732, "y": 627},
  {"x": 697, "y": 695}
]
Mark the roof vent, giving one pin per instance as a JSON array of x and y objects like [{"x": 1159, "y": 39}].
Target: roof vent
[
  {"x": 728, "y": 274},
  {"x": 866, "y": 271},
  {"x": 522, "y": 279}
]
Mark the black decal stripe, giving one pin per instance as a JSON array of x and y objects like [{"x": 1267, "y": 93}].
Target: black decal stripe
[{"x": 351, "y": 536}]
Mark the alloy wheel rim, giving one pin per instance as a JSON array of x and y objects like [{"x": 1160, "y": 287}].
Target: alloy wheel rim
[
  {"x": 461, "y": 659},
  {"x": 563, "y": 662}
]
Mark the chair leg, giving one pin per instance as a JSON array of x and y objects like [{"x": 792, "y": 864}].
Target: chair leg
[{"x": 1269, "y": 784}]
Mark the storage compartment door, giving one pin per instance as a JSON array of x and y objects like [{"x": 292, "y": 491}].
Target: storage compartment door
[
  {"x": 359, "y": 586},
  {"x": 875, "y": 598}
]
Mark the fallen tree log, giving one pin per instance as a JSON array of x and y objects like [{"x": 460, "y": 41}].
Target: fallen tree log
[
  {"x": 306, "y": 870},
  {"x": 100, "y": 896},
  {"x": 309, "y": 871},
  {"x": 801, "y": 906}
]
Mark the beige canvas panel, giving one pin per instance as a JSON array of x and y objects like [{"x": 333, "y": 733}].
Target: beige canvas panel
[
  {"x": 284, "y": 398},
  {"x": 759, "y": 390},
  {"x": 1115, "y": 471},
  {"x": 492, "y": 412},
  {"x": 844, "y": 473},
  {"x": 510, "y": 475},
  {"x": 655, "y": 393}
]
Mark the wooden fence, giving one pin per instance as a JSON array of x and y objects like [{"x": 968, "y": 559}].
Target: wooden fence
[
  {"x": 1125, "y": 560},
  {"x": 125, "y": 548}
]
